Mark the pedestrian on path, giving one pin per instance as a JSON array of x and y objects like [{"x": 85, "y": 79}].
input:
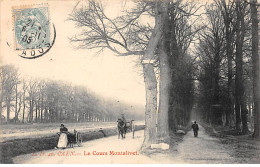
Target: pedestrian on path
[
  {"x": 195, "y": 128},
  {"x": 63, "y": 139}
]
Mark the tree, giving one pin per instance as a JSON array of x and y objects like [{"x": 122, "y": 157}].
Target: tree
[
  {"x": 163, "y": 124},
  {"x": 24, "y": 91},
  {"x": 9, "y": 79},
  {"x": 228, "y": 13},
  {"x": 103, "y": 32},
  {"x": 18, "y": 102},
  {"x": 240, "y": 104},
  {"x": 256, "y": 67},
  {"x": 234, "y": 16},
  {"x": 179, "y": 34},
  {"x": 211, "y": 53}
]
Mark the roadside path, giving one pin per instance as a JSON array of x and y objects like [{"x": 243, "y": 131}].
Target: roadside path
[
  {"x": 201, "y": 150},
  {"x": 98, "y": 150}
]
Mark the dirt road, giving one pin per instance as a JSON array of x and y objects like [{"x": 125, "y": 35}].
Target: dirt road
[
  {"x": 203, "y": 149},
  {"x": 208, "y": 150},
  {"x": 103, "y": 151}
]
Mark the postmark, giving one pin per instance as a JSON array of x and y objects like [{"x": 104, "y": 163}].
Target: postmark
[{"x": 34, "y": 34}]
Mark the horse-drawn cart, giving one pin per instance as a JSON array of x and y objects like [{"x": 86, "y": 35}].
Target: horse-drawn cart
[
  {"x": 124, "y": 127},
  {"x": 73, "y": 138}
]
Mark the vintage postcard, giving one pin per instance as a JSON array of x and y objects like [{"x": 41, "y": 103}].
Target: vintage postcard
[{"x": 129, "y": 82}]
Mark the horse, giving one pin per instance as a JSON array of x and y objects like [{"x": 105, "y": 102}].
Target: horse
[{"x": 123, "y": 127}]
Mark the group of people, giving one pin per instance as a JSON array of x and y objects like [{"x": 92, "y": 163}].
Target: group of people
[{"x": 63, "y": 139}]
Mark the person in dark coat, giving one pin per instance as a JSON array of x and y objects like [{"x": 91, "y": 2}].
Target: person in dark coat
[
  {"x": 195, "y": 128},
  {"x": 123, "y": 118},
  {"x": 63, "y": 129}
]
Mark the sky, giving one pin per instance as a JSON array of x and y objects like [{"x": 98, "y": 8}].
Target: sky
[{"x": 106, "y": 74}]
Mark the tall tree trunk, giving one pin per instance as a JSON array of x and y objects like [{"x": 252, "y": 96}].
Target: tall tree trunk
[
  {"x": 42, "y": 104},
  {"x": 174, "y": 55},
  {"x": 150, "y": 78},
  {"x": 249, "y": 112},
  {"x": 151, "y": 105},
  {"x": 229, "y": 59},
  {"x": 244, "y": 110},
  {"x": 216, "y": 117},
  {"x": 24, "y": 101},
  {"x": 41, "y": 113},
  {"x": 239, "y": 66},
  {"x": 16, "y": 101},
  {"x": 36, "y": 112},
  {"x": 256, "y": 68},
  {"x": 244, "y": 115},
  {"x": 31, "y": 110},
  {"x": 46, "y": 115},
  {"x": 163, "y": 124},
  {"x": 227, "y": 10},
  {"x": 23, "y": 108},
  {"x": 8, "y": 106}
]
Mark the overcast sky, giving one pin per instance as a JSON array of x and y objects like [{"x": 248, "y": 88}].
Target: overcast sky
[{"x": 106, "y": 74}]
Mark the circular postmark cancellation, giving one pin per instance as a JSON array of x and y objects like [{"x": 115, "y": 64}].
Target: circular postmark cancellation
[{"x": 33, "y": 33}]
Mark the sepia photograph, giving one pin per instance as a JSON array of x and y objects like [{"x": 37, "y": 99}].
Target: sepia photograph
[{"x": 129, "y": 82}]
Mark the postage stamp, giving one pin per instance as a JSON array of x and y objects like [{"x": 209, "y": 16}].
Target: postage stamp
[
  {"x": 31, "y": 28},
  {"x": 32, "y": 31}
]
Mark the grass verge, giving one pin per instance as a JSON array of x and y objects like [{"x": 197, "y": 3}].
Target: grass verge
[
  {"x": 12, "y": 148},
  {"x": 244, "y": 148}
]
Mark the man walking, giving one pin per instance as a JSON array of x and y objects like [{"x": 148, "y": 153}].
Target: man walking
[{"x": 195, "y": 128}]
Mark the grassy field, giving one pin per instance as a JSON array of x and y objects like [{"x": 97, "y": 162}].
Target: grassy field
[{"x": 35, "y": 130}]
